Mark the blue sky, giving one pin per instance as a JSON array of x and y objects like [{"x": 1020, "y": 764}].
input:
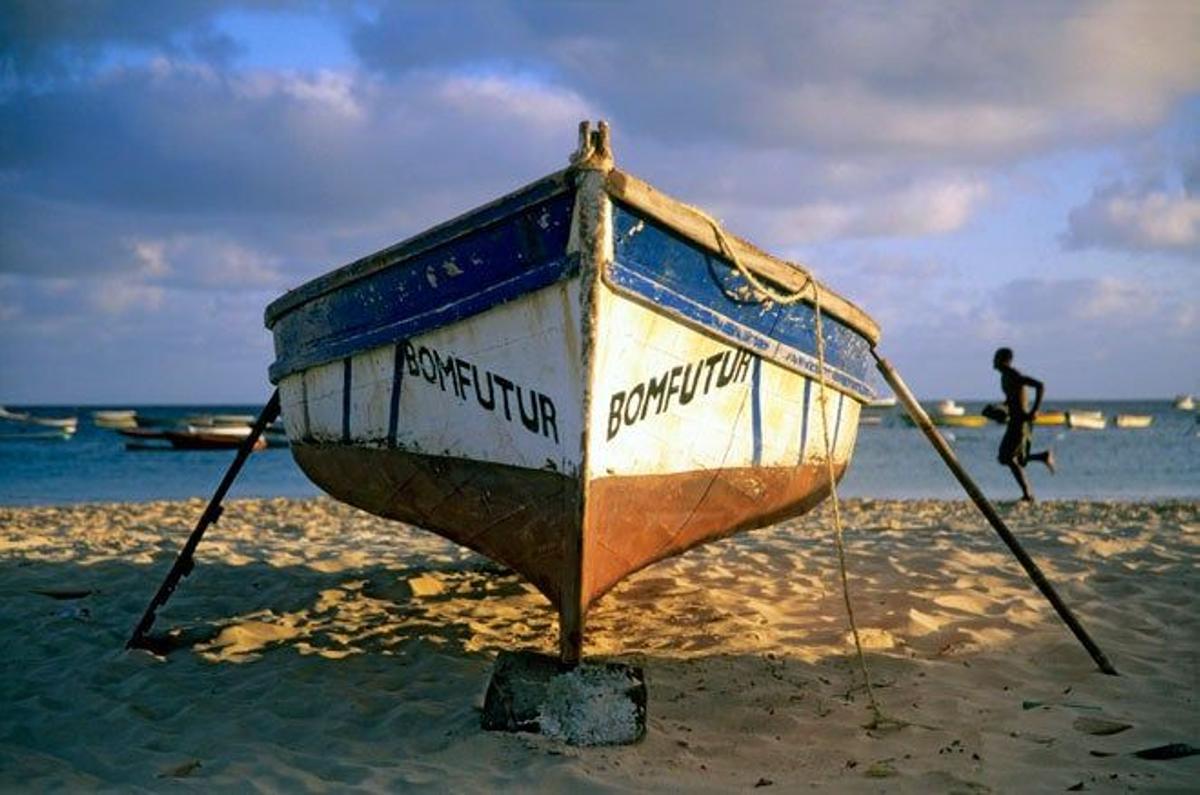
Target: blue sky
[{"x": 1025, "y": 173}]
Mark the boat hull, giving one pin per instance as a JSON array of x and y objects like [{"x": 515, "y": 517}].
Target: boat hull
[
  {"x": 573, "y": 388},
  {"x": 1086, "y": 420}
]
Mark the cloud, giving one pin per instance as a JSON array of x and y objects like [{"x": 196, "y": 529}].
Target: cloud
[
  {"x": 253, "y": 174},
  {"x": 1086, "y": 337},
  {"x": 205, "y": 261},
  {"x": 78, "y": 341},
  {"x": 56, "y": 38},
  {"x": 929, "y": 207},
  {"x": 118, "y": 298},
  {"x": 147, "y": 174},
  {"x": 1124, "y": 217},
  {"x": 976, "y": 83}
]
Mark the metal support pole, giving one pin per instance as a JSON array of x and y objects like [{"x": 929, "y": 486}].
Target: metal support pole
[{"x": 985, "y": 507}]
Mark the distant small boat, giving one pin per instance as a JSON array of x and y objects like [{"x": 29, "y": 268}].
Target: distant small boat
[
  {"x": 219, "y": 420},
  {"x": 115, "y": 418},
  {"x": 951, "y": 420},
  {"x": 190, "y": 438},
  {"x": 870, "y": 419},
  {"x": 1134, "y": 420},
  {"x": 1050, "y": 418},
  {"x": 227, "y": 431},
  {"x": 64, "y": 426},
  {"x": 1185, "y": 403},
  {"x": 1086, "y": 420},
  {"x": 948, "y": 408},
  {"x": 881, "y": 403},
  {"x": 233, "y": 419},
  {"x": 964, "y": 420}
]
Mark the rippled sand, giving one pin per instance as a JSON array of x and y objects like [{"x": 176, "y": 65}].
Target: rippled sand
[{"x": 330, "y": 649}]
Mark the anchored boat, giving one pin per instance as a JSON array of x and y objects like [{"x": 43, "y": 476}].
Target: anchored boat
[{"x": 576, "y": 380}]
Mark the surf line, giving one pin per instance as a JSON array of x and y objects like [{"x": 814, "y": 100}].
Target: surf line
[
  {"x": 493, "y": 392},
  {"x": 630, "y": 406}
]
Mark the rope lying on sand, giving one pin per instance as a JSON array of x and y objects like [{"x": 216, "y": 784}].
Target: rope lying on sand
[{"x": 789, "y": 299}]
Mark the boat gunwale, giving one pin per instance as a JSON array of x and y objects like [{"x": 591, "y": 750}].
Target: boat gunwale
[
  {"x": 854, "y": 386},
  {"x": 447, "y": 231},
  {"x": 619, "y": 185},
  {"x": 684, "y": 221}
]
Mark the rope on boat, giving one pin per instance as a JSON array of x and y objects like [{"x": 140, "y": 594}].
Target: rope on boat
[{"x": 879, "y": 720}]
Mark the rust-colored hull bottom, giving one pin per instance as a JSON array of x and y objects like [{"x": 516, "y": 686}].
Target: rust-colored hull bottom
[
  {"x": 632, "y": 522},
  {"x": 512, "y": 515},
  {"x": 524, "y": 518}
]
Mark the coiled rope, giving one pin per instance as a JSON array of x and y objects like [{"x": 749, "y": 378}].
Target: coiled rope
[{"x": 789, "y": 299}]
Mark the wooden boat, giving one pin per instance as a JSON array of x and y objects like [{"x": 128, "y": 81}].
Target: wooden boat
[
  {"x": 575, "y": 380},
  {"x": 964, "y": 421},
  {"x": 948, "y": 408},
  {"x": 951, "y": 420},
  {"x": 1086, "y": 420},
  {"x": 1134, "y": 420},
  {"x": 219, "y": 420},
  {"x": 188, "y": 438},
  {"x": 115, "y": 418},
  {"x": 63, "y": 426},
  {"x": 1050, "y": 418}
]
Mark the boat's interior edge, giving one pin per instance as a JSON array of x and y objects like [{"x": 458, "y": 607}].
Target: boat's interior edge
[
  {"x": 539, "y": 190},
  {"x": 644, "y": 197}
]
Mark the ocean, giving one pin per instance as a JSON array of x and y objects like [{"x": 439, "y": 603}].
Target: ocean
[{"x": 891, "y": 460}]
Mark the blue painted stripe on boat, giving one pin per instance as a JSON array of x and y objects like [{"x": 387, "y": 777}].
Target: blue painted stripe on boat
[
  {"x": 756, "y": 409},
  {"x": 533, "y": 194},
  {"x": 397, "y": 382},
  {"x": 804, "y": 420},
  {"x": 625, "y": 280},
  {"x": 475, "y": 272},
  {"x": 346, "y": 386},
  {"x": 683, "y": 280}
]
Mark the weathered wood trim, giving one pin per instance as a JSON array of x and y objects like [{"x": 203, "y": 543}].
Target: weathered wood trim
[
  {"x": 630, "y": 190},
  {"x": 591, "y": 238}
]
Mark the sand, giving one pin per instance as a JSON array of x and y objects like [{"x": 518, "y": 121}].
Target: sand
[{"x": 328, "y": 650}]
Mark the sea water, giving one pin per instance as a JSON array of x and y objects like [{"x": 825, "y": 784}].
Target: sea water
[{"x": 891, "y": 460}]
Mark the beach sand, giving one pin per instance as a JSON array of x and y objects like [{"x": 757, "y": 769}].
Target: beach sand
[{"x": 333, "y": 650}]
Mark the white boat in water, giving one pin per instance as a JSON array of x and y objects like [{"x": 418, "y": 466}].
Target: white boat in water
[
  {"x": 63, "y": 426},
  {"x": 576, "y": 380},
  {"x": 115, "y": 418},
  {"x": 948, "y": 408},
  {"x": 1134, "y": 420},
  {"x": 1185, "y": 403},
  {"x": 1086, "y": 420}
]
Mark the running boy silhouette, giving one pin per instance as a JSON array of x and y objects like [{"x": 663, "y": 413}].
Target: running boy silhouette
[{"x": 1018, "y": 437}]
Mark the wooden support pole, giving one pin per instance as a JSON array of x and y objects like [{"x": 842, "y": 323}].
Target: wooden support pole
[
  {"x": 985, "y": 507},
  {"x": 184, "y": 563}
]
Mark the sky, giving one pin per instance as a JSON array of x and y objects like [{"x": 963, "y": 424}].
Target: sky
[{"x": 972, "y": 174}]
